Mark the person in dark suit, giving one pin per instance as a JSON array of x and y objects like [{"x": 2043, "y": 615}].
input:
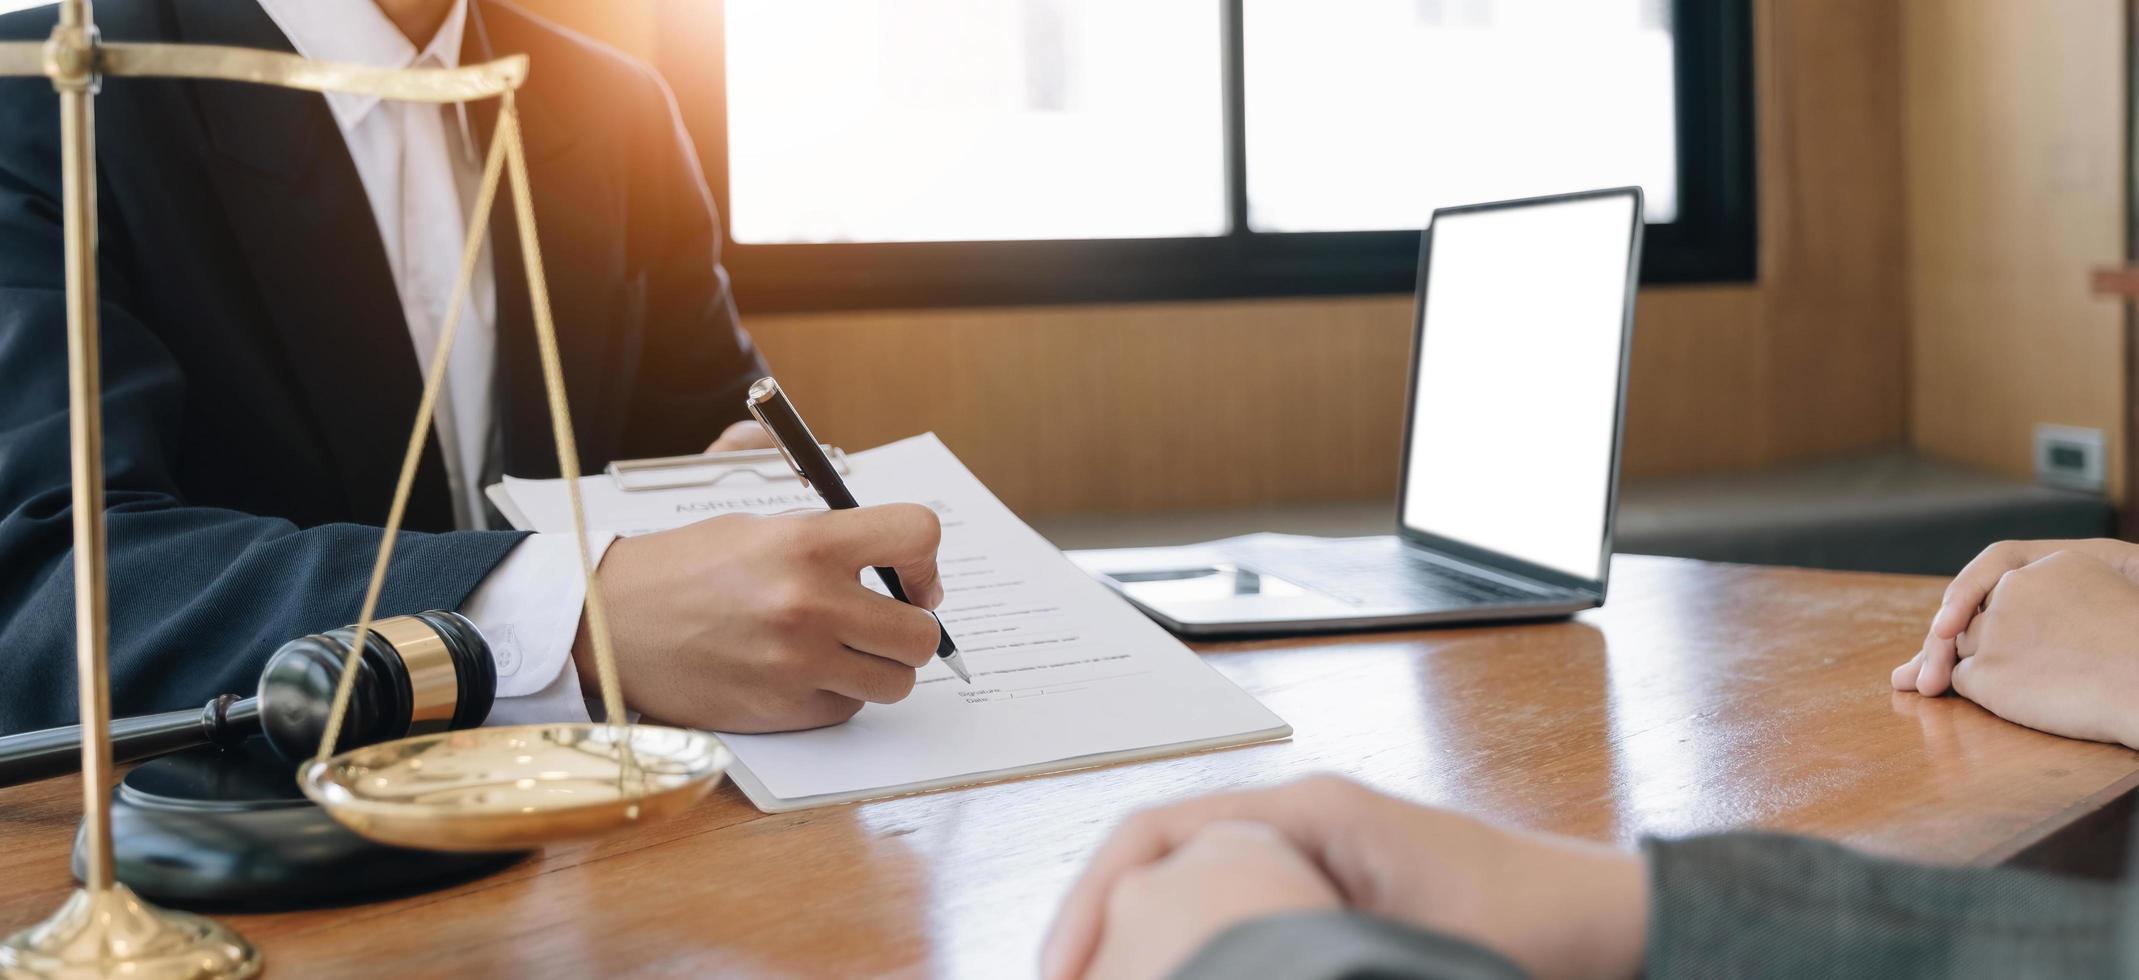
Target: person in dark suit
[
  {"x": 274, "y": 264},
  {"x": 1326, "y": 879}
]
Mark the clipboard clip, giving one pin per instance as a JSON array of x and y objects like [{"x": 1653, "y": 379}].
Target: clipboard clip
[{"x": 711, "y": 469}]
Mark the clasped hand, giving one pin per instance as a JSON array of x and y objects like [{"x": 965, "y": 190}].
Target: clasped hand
[
  {"x": 2041, "y": 633},
  {"x": 1172, "y": 879}
]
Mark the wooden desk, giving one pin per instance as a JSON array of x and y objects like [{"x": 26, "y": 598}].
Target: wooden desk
[{"x": 1703, "y": 698}]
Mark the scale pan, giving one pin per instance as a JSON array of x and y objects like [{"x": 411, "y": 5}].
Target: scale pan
[{"x": 513, "y": 788}]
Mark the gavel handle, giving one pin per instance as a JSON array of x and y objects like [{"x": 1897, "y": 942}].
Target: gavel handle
[{"x": 31, "y": 756}]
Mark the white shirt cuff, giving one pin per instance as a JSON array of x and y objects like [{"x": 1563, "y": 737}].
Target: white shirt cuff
[
  {"x": 559, "y": 702},
  {"x": 528, "y": 608}
]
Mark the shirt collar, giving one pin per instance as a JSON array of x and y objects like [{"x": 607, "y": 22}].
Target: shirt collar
[{"x": 356, "y": 31}]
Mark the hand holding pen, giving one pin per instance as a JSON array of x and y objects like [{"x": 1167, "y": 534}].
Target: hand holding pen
[{"x": 770, "y": 406}]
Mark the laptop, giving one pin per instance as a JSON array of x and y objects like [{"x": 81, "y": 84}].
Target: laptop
[{"x": 1510, "y": 467}]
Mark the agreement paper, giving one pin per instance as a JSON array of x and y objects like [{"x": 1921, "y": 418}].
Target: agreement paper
[{"x": 1065, "y": 673}]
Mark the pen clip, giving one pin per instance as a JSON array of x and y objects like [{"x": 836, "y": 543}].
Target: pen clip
[{"x": 782, "y": 446}]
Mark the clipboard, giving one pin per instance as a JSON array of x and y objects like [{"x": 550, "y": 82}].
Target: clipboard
[{"x": 711, "y": 469}]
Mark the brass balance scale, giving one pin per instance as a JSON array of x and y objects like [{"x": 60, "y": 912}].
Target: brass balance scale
[{"x": 486, "y": 789}]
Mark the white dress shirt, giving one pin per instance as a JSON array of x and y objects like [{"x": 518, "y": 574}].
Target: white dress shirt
[{"x": 419, "y": 165}]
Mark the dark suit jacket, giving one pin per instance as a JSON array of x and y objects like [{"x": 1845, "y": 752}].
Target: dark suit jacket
[
  {"x": 259, "y": 378},
  {"x": 1756, "y": 905}
]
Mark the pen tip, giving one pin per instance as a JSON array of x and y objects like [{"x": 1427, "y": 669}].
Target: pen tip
[{"x": 957, "y": 662}]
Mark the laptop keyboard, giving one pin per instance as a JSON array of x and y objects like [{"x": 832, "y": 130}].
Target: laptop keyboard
[{"x": 1380, "y": 578}]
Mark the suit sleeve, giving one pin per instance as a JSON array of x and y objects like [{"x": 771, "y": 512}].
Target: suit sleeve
[
  {"x": 200, "y": 596},
  {"x": 1767, "y": 905},
  {"x": 696, "y": 361},
  {"x": 1754, "y": 905},
  {"x": 1341, "y": 946}
]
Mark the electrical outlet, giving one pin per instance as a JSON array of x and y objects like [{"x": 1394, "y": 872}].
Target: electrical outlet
[{"x": 2069, "y": 457}]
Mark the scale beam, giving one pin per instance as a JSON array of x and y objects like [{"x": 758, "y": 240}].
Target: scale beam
[{"x": 468, "y": 83}]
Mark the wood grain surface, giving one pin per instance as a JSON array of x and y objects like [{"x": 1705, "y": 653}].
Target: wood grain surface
[{"x": 1702, "y": 698}]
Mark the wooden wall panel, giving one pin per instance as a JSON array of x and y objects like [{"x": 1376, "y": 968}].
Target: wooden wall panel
[
  {"x": 1833, "y": 242},
  {"x": 1698, "y": 390},
  {"x": 1204, "y": 405},
  {"x": 2015, "y": 136},
  {"x": 1140, "y": 407}
]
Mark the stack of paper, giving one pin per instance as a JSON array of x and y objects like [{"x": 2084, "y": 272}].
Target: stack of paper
[{"x": 1065, "y": 673}]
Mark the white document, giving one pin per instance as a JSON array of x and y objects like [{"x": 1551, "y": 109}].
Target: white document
[{"x": 1065, "y": 673}]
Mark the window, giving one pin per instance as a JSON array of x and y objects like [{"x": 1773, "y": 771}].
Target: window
[
  {"x": 941, "y": 152},
  {"x": 974, "y": 120},
  {"x": 1351, "y": 127}
]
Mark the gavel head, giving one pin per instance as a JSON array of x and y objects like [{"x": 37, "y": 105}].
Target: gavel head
[{"x": 419, "y": 674}]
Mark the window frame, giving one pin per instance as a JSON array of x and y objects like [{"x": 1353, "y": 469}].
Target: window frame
[{"x": 1713, "y": 240}]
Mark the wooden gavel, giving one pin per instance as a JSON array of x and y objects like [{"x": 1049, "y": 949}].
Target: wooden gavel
[{"x": 423, "y": 673}]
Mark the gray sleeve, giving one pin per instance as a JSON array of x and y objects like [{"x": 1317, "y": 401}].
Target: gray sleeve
[
  {"x": 1745, "y": 905},
  {"x": 1340, "y": 946}
]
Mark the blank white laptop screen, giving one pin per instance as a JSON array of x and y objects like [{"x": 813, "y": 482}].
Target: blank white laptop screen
[{"x": 1516, "y": 407}]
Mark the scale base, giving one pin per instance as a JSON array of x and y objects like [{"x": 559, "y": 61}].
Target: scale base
[
  {"x": 229, "y": 831},
  {"x": 114, "y": 933}
]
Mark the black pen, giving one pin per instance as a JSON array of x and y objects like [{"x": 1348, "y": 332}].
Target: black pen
[{"x": 773, "y": 411}]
